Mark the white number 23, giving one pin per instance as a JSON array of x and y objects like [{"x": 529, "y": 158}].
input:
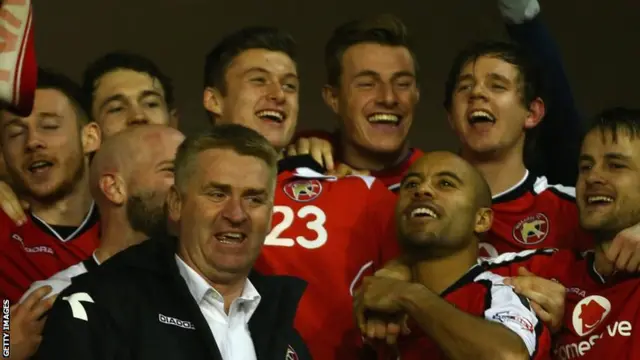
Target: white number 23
[{"x": 315, "y": 220}]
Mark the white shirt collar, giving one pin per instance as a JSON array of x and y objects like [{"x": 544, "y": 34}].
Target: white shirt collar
[{"x": 199, "y": 288}]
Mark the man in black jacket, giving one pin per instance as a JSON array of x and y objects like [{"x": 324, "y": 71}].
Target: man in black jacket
[{"x": 194, "y": 297}]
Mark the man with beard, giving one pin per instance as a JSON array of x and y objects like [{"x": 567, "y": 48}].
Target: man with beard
[
  {"x": 122, "y": 90},
  {"x": 456, "y": 309},
  {"x": 130, "y": 177},
  {"x": 47, "y": 156},
  {"x": 339, "y": 228}
]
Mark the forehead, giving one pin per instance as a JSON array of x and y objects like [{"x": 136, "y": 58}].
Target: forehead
[
  {"x": 48, "y": 101},
  {"x": 377, "y": 57},
  {"x": 432, "y": 164},
  {"x": 275, "y": 62},
  {"x": 227, "y": 167},
  {"x": 486, "y": 65},
  {"x": 126, "y": 82},
  {"x": 598, "y": 142}
]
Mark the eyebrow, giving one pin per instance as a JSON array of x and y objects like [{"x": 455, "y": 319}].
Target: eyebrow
[
  {"x": 120, "y": 97},
  {"x": 492, "y": 75},
  {"x": 14, "y": 121},
  {"x": 395, "y": 75},
  {"x": 266, "y": 72},
  {"x": 228, "y": 188},
  {"x": 608, "y": 156}
]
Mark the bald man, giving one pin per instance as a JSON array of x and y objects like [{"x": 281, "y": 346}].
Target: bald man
[
  {"x": 130, "y": 177},
  {"x": 444, "y": 206}
]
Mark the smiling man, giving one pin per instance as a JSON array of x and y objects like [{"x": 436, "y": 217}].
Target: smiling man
[
  {"x": 194, "y": 297},
  {"x": 457, "y": 309}
]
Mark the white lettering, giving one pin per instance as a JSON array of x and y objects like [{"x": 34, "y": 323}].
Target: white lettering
[
  {"x": 176, "y": 322},
  {"x": 315, "y": 224},
  {"x": 6, "y": 338},
  {"x": 576, "y": 350},
  {"x": 75, "y": 302}
]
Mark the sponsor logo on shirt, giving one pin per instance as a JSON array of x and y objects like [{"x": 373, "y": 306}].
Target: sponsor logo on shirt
[
  {"x": 589, "y": 313},
  {"x": 176, "y": 322},
  {"x": 508, "y": 317},
  {"x": 291, "y": 354},
  {"x": 579, "y": 349},
  {"x": 532, "y": 229},
  {"x": 303, "y": 190},
  {"x": 32, "y": 249}
]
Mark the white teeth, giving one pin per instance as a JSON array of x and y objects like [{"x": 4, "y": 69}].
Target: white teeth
[
  {"x": 420, "y": 212},
  {"x": 231, "y": 238},
  {"x": 384, "y": 118},
  {"x": 599, "y": 199},
  {"x": 481, "y": 114},
  {"x": 39, "y": 164},
  {"x": 273, "y": 115}
]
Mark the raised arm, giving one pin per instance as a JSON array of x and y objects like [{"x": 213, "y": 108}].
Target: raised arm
[{"x": 559, "y": 137}]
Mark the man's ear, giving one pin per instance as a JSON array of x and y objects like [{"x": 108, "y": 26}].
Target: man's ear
[
  {"x": 212, "y": 100},
  {"x": 536, "y": 113},
  {"x": 330, "y": 96},
  {"x": 91, "y": 137},
  {"x": 484, "y": 220},
  {"x": 174, "y": 204},
  {"x": 174, "y": 118},
  {"x": 113, "y": 188}
]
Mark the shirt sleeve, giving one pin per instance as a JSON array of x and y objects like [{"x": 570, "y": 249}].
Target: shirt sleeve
[
  {"x": 79, "y": 327},
  {"x": 515, "y": 312},
  {"x": 382, "y": 204}
]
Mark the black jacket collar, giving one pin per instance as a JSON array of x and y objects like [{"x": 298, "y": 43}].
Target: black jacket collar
[{"x": 279, "y": 294}]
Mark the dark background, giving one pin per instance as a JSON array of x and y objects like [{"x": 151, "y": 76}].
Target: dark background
[{"x": 599, "y": 41}]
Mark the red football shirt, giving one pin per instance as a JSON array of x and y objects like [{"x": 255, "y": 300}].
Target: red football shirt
[
  {"x": 483, "y": 294},
  {"x": 390, "y": 177},
  {"x": 36, "y": 251},
  {"x": 330, "y": 232},
  {"x": 532, "y": 214}
]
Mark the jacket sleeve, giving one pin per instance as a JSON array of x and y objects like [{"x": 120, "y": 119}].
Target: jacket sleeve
[
  {"x": 560, "y": 134},
  {"x": 79, "y": 326}
]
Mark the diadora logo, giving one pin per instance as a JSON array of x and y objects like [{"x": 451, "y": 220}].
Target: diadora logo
[
  {"x": 176, "y": 322},
  {"x": 589, "y": 313},
  {"x": 532, "y": 229},
  {"x": 32, "y": 249},
  {"x": 291, "y": 354},
  {"x": 303, "y": 190}
]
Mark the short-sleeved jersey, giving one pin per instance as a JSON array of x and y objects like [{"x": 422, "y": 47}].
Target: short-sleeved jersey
[
  {"x": 534, "y": 214},
  {"x": 600, "y": 315},
  {"x": 330, "y": 232},
  {"x": 390, "y": 177},
  {"x": 483, "y": 294},
  {"x": 36, "y": 251}
]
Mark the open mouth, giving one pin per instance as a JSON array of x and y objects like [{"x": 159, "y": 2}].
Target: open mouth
[
  {"x": 423, "y": 212},
  {"x": 272, "y": 115},
  {"x": 384, "y": 119},
  {"x": 39, "y": 166},
  {"x": 231, "y": 238},
  {"x": 481, "y": 117},
  {"x": 599, "y": 200}
]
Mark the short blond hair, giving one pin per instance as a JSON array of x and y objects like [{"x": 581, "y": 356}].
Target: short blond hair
[{"x": 240, "y": 139}]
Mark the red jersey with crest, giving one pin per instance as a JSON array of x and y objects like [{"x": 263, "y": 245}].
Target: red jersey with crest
[
  {"x": 534, "y": 214},
  {"x": 390, "y": 177},
  {"x": 36, "y": 251},
  {"x": 330, "y": 232},
  {"x": 483, "y": 294},
  {"x": 599, "y": 314}
]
